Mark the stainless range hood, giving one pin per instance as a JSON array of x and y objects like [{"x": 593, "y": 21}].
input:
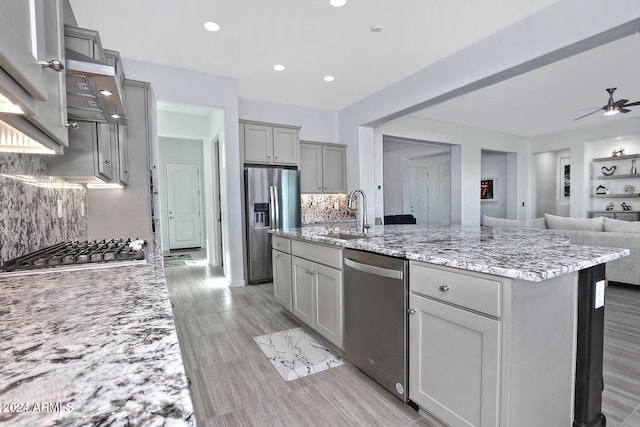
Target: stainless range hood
[{"x": 94, "y": 91}]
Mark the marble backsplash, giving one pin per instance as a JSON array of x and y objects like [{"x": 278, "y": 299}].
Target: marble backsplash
[
  {"x": 29, "y": 210},
  {"x": 326, "y": 208}
]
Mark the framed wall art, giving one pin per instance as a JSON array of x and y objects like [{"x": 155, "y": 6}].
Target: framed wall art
[{"x": 487, "y": 189}]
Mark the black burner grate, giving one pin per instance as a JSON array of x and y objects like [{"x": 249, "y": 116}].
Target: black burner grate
[{"x": 76, "y": 254}]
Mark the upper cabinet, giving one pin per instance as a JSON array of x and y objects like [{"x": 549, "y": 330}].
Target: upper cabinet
[
  {"x": 270, "y": 144},
  {"x": 32, "y": 73},
  {"x": 323, "y": 168}
]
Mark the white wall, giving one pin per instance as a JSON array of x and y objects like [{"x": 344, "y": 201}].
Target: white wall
[
  {"x": 465, "y": 167},
  {"x": 193, "y": 88},
  {"x": 585, "y": 144},
  {"x": 316, "y": 125}
]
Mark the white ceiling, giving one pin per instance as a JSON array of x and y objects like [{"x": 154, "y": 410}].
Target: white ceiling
[
  {"x": 548, "y": 99},
  {"x": 310, "y": 37},
  {"x": 314, "y": 39}
]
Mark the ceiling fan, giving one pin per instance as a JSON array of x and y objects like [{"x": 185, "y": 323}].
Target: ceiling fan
[{"x": 613, "y": 107}]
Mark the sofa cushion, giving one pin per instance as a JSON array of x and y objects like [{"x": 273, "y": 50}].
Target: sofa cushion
[
  {"x": 566, "y": 223},
  {"x": 490, "y": 221},
  {"x": 616, "y": 225}
]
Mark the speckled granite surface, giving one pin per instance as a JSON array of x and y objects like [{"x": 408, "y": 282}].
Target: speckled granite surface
[
  {"x": 519, "y": 253},
  {"x": 91, "y": 347}
]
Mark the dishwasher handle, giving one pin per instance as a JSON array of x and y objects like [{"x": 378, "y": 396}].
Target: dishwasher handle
[{"x": 372, "y": 269}]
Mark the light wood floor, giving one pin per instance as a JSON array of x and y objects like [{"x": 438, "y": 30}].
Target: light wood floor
[{"x": 233, "y": 384}]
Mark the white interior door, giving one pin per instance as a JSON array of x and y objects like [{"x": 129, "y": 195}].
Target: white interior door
[
  {"x": 420, "y": 194},
  {"x": 183, "y": 205}
]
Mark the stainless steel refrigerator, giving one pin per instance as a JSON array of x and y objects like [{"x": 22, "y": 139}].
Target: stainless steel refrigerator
[{"x": 272, "y": 202}]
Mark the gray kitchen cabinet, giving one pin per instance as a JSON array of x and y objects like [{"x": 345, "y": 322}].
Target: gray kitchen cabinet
[
  {"x": 318, "y": 289},
  {"x": 269, "y": 144},
  {"x": 87, "y": 159},
  {"x": 454, "y": 359},
  {"x": 482, "y": 348},
  {"x": 323, "y": 168},
  {"x": 281, "y": 262},
  {"x": 30, "y": 36},
  {"x": 302, "y": 277}
]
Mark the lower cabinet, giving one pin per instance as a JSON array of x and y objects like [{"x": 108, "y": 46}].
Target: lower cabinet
[
  {"x": 307, "y": 281},
  {"x": 281, "y": 263},
  {"x": 454, "y": 363},
  {"x": 318, "y": 298}
]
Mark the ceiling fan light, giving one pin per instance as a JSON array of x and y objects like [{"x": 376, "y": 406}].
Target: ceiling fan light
[{"x": 611, "y": 111}]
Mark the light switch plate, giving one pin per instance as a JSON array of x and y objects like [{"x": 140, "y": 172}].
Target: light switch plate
[{"x": 599, "y": 294}]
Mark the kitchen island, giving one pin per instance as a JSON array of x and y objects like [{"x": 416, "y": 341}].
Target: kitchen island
[
  {"x": 91, "y": 347},
  {"x": 505, "y": 325}
]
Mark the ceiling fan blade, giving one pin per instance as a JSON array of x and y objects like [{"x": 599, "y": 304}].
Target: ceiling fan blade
[
  {"x": 593, "y": 112},
  {"x": 631, "y": 104},
  {"x": 620, "y": 102},
  {"x": 624, "y": 110}
]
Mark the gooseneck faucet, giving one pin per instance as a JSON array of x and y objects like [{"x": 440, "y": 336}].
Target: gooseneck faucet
[{"x": 362, "y": 223}]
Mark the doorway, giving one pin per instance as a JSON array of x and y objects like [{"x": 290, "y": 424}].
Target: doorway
[
  {"x": 183, "y": 205},
  {"x": 417, "y": 180}
]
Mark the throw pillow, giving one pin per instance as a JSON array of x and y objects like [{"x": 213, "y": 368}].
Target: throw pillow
[
  {"x": 567, "y": 223},
  {"x": 490, "y": 221},
  {"x": 615, "y": 225}
]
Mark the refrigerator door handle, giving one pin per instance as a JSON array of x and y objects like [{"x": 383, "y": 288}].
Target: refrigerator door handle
[
  {"x": 275, "y": 207},
  {"x": 272, "y": 204}
]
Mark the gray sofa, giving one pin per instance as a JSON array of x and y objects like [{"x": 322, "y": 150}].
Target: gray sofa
[{"x": 598, "y": 231}]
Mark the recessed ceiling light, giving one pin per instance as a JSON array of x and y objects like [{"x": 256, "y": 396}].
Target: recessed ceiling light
[
  {"x": 329, "y": 78},
  {"x": 337, "y": 3},
  {"x": 279, "y": 67},
  {"x": 211, "y": 26},
  {"x": 375, "y": 28},
  {"x": 115, "y": 116},
  {"x": 106, "y": 92}
]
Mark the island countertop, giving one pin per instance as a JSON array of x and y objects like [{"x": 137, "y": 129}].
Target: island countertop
[
  {"x": 91, "y": 347},
  {"x": 520, "y": 253}
]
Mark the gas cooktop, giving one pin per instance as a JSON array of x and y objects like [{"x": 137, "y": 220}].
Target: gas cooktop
[{"x": 77, "y": 254}]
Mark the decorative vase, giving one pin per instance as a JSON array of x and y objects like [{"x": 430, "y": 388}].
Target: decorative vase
[{"x": 633, "y": 167}]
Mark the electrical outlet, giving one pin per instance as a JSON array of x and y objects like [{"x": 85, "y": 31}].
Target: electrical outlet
[{"x": 60, "y": 211}]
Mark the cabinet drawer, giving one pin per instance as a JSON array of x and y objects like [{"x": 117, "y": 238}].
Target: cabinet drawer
[
  {"x": 281, "y": 244},
  {"x": 318, "y": 253},
  {"x": 470, "y": 290}
]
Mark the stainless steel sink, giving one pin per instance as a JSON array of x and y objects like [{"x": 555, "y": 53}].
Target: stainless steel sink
[{"x": 344, "y": 236}]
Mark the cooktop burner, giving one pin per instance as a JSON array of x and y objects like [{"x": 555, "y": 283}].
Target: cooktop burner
[{"x": 79, "y": 254}]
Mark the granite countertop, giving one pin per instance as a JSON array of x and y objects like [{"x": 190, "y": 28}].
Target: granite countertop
[
  {"x": 519, "y": 253},
  {"x": 91, "y": 347}
]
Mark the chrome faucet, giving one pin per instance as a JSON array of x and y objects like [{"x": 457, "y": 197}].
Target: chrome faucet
[{"x": 362, "y": 223}]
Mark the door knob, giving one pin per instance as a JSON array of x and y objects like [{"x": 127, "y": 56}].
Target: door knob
[
  {"x": 444, "y": 288},
  {"x": 411, "y": 311},
  {"x": 54, "y": 64}
]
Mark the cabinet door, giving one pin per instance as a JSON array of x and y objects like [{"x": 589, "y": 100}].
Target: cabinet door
[
  {"x": 627, "y": 216},
  {"x": 334, "y": 175},
  {"x": 106, "y": 135},
  {"x": 31, "y": 32},
  {"x": 329, "y": 306},
  {"x": 282, "y": 278},
  {"x": 258, "y": 143},
  {"x": 454, "y": 360},
  {"x": 285, "y": 146},
  {"x": 310, "y": 168},
  {"x": 303, "y": 278}
]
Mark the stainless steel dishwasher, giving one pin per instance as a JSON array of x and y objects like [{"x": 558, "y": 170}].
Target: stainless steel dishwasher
[{"x": 375, "y": 317}]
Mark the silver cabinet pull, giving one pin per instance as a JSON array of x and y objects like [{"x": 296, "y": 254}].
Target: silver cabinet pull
[
  {"x": 54, "y": 64},
  {"x": 444, "y": 288},
  {"x": 72, "y": 125},
  {"x": 411, "y": 311}
]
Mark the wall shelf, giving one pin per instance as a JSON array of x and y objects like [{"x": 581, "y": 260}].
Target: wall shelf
[
  {"x": 611, "y": 158},
  {"x": 616, "y": 196}
]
